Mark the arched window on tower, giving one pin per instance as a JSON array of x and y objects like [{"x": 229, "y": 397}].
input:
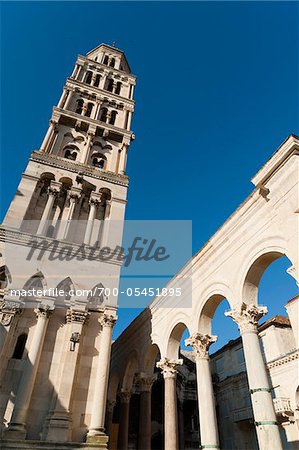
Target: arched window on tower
[
  {"x": 113, "y": 117},
  {"x": 103, "y": 115},
  {"x": 118, "y": 87},
  {"x": 70, "y": 152},
  {"x": 97, "y": 80},
  {"x": 112, "y": 62},
  {"x": 106, "y": 60},
  {"x": 110, "y": 85},
  {"x": 80, "y": 104},
  {"x": 88, "y": 77},
  {"x": 89, "y": 109},
  {"x": 20, "y": 346},
  {"x": 96, "y": 58},
  {"x": 98, "y": 160}
]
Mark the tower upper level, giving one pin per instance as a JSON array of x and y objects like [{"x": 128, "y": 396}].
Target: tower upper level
[{"x": 110, "y": 56}]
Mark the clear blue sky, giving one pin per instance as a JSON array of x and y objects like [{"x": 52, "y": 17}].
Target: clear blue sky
[{"x": 217, "y": 93}]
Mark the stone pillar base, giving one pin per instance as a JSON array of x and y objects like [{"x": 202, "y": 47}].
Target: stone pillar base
[
  {"x": 15, "y": 431},
  {"x": 98, "y": 439},
  {"x": 10, "y": 444}
]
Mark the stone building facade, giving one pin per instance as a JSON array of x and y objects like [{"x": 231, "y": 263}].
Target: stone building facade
[
  {"x": 228, "y": 267},
  {"x": 56, "y": 340}
]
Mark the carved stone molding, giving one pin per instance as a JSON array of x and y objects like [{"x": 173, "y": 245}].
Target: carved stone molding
[
  {"x": 107, "y": 320},
  {"x": 145, "y": 383},
  {"x": 201, "y": 344},
  {"x": 75, "y": 315},
  {"x": 247, "y": 316},
  {"x": 110, "y": 405},
  {"x": 43, "y": 312},
  {"x": 8, "y": 312},
  {"x": 125, "y": 396},
  {"x": 169, "y": 366}
]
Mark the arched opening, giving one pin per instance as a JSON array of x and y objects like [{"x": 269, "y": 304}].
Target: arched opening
[
  {"x": 5, "y": 277},
  {"x": 70, "y": 152},
  {"x": 112, "y": 62},
  {"x": 31, "y": 287},
  {"x": 103, "y": 115},
  {"x": 37, "y": 203},
  {"x": 80, "y": 104},
  {"x": 106, "y": 60},
  {"x": 88, "y": 77},
  {"x": 20, "y": 346},
  {"x": 268, "y": 282},
  {"x": 96, "y": 298},
  {"x": 97, "y": 80},
  {"x": 98, "y": 160},
  {"x": 118, "y": 87},
  {"x": 109, "y": 85},
  {"x": 89, "y": 109},
  {"x": 64, "y": 290},
  {"x": 113, "y": 117}
]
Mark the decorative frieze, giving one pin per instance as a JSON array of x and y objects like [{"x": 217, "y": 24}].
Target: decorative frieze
[
  {"x": 247, "y": 316},
  {"x": 8, "y": 310},
  {"x": 75, "y": 315}
]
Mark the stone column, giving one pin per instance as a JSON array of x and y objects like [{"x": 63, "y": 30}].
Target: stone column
[
  {"x": 53, "y": 190},
  {"x": 145, "y": 414},
  {"x": 109, "y": 416},
  {"x": 59, "y": 425},
  {"x": 73, "y": 196},
  {"x": 88, "y": 144},
  {"x": 206, "y": 401},
  {"x": 171, "y": 436},
  {"x": 94, "y": 202},
  {"x": 68, "y": 99},
  {"x": 97, "y": 423},
  {"x": 123, "y": 431},
  {"x": 48, "y": 135},
  {"x": 129, "y": 120},
  {"x": 17, "y": 426},
  {"x": 247, "y": 317},
  {"x": 97, "y": 108},
  {"x": 63, "y": 98},
  {"x": 123, "y": 159}
]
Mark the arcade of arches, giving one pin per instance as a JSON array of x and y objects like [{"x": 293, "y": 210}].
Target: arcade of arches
[{"x": 265, "y": 375}]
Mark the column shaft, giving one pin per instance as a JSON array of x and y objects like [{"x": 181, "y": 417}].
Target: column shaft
[
  {"x": 145, "y": 432},
  {"x": 18, "y": 421},
  {"x": 97, "y": 423},
  {"x": 123, "y": 431}
]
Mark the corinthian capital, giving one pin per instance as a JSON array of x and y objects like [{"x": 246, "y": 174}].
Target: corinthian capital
[
  {"x": 247, "y": 316},
  {"x": 43, "y": 312},
  {"x": 201, "y": 344},
  {"x": 168, "y": 367},
  {"x": 107, "y": 320}
]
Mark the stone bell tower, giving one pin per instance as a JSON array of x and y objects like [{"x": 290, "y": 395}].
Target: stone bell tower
[{"x": 55, "y": 346}]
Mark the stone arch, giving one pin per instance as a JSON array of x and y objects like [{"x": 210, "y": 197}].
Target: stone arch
[
  {"x": 113, "y": 389},
  {"x": 174, "y": 339},
  {"x": 213, "y": 296},
  {"x": 255, "y": 269},
  {"x": 150, "y": 358},
  {"x": 37, "y": 280},
  {"x": 130, "y": 371},
  {"x": 66, "y": 285},
  {"x": 97, "y": 297}
]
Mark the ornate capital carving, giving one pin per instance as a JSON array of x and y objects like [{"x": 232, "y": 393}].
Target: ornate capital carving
[
  {"x": 74, "y": 193},
  {"x": 247, "y": 316},
  {"x": 110, "y": 405},
  {"x": 8, "y": 310},
  {"x": 75, "y": 315},
  {"x": 201, "y": 344},
  {"x": 168, "y": 367},
  {"x": 54, "y": 188},
  {"x": 145, "y": 382},
  {"x": 43, "y": 312},
  {"x": 125, "y": 396},
  {"x": 107, "y": 320}
]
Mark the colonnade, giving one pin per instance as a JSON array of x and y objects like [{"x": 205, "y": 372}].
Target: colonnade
[
  {"x": 267, "y": 429},
  {"x": 60, "y": 422}
]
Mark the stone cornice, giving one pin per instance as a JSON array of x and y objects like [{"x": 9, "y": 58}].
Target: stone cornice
[
  {"x": 72, "y": 166},
  {"x": 98, "y": 91},
  {"x": 103, "y": 66},
  {"x": 283, "y": 153},
  {"x": 14, "y": 236},
  {"x": 283, "y": 359},
  {"x": 91, "y": 121}
]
